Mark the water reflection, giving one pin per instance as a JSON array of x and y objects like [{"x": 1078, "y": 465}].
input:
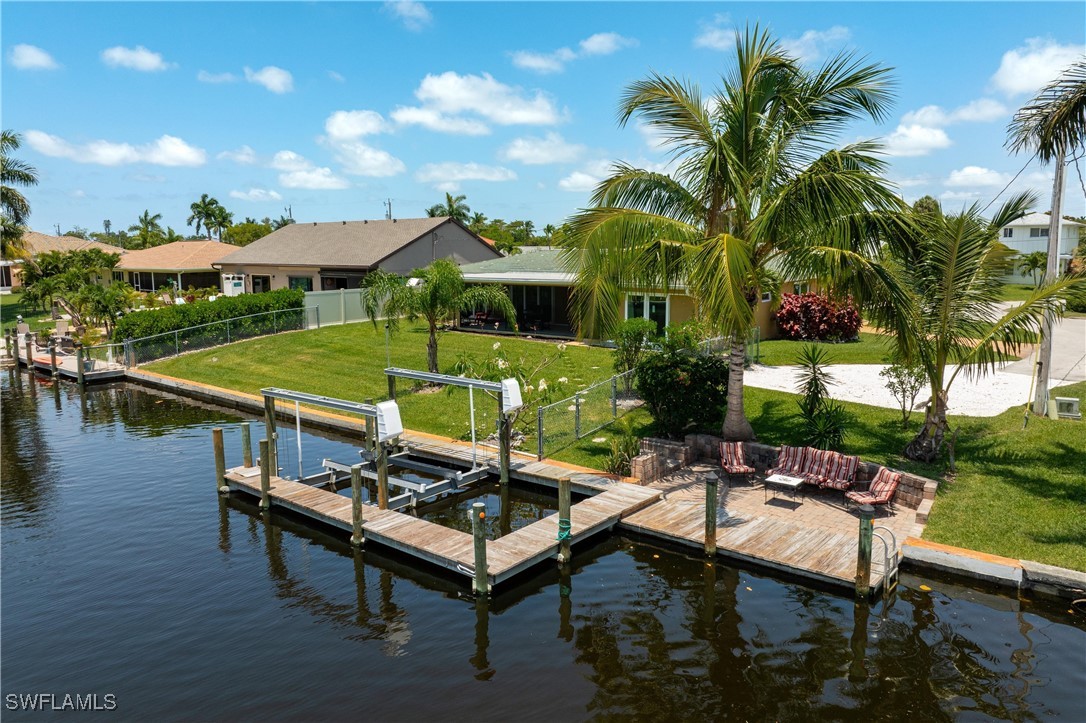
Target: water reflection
[{"x": 28, "y": 472}]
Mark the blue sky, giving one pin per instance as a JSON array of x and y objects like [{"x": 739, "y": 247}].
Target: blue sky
[{"x": 332, "y": 107}]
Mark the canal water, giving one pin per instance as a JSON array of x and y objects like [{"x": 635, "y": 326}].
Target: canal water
[{"x": 126, "y": 575}]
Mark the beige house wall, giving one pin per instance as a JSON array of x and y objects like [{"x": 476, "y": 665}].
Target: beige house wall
[{"x": 279, "y": 274}]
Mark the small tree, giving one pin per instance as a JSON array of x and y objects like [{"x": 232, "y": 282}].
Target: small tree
[
  {"x": 1034, "y": 264},
  {"x": 905, "y": 382},
  {"x": 824, "y": 420},
  {"x": 631, "y": 339},
  {"x": 435, "y": 293}
]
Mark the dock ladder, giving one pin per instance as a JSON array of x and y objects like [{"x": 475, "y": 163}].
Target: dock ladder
[{"x": 890, "y": 560}]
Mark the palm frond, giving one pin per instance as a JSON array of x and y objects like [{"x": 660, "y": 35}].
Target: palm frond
[{"x": 1055, "y": 118}]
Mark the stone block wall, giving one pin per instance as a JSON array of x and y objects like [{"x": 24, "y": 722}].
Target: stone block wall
[{"x": 659, "y": 458}]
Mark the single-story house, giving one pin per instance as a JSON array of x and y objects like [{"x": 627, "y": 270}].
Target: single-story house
[
  {"x": 338, "y": 255},
  {"x": 39, "y": 243},
  {"x": 1030, "y": 233},
  {"x": 177, "y": 265},
  {"x": 540, "y": 290}
]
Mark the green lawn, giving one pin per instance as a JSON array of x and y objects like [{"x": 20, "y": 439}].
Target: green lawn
[
  {"x": 870, "y": 349},
  {"x": 11, "y": 305},
  {"x": 1016, "y": 292},
  {"x": 1019, "y": 493}
]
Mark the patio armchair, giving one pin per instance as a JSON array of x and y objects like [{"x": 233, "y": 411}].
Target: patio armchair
[
  {"x": 841, "y": 474},
  {"x": 817, "y": 464},
  {"x": 732, "y": 460},
  {"x": 881, "y": 492}
]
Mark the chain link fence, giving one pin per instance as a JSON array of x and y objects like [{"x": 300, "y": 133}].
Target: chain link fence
[
  {"x": 562, "y": 423},
  {"x": 133, "y": 352}
]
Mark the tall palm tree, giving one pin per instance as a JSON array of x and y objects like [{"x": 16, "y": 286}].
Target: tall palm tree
[
  {"x": 456, "y": 208},
  {"x": 1034, "y": 264},
  {"x": 14, "y": 208},
  {"x": 1055, "y": 118},
  {"x": 147, "y": 229},
  {"x": 169, "y": 236},
  {"x": 221, "y": 219},
  {"x": 756, "y": 183},
  {"x": 435, "y": 293},
  {"x": 950, "y": 270},
  {"x": 203, "y": 214},
  {"x": 478, "y": 220},
  {"x": 548, "y": 231}
]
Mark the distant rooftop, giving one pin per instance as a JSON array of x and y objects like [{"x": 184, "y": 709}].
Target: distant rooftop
[
  {"x": 40, "y": 243},
  {"x": 177, "y": 256},
  {"x": 540, "y": 265},
  {"x": 1040, "y": 219}
]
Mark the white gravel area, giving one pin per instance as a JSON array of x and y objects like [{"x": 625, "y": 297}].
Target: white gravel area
[{"x": 985, "y": 396}]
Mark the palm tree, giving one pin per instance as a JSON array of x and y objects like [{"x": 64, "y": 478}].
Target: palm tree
[
  {"x": 169, "y": 236},
  {"x": 221, "y": 219},
  {"x": 949, "y": 269},
  {"x": 478, "y": 220},
  {"x": 548, "y": 231},
  {"x": 1034, "y": 264},
  {"x": 435, "y": 293},
  {"x": 147, "y": 229},
  {"x": 756, "y": 183},
  {"x": 1055, "y": 118},
  {"x": 454, "y": 207},
  {"x": 203, "y": 214},
  {"x": 14, "y": 208}
]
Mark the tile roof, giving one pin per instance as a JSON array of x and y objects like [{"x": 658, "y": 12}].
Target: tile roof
[
  {"x": 177, "y": 256},
  {"x": 542, "y": 266},
  {"x": 1040, "y": 219},
  {"x": 40, "y": 243},
  {"x": 338, "y": 243}
]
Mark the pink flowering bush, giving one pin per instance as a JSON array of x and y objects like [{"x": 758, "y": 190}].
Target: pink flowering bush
[{"x": 813, "y": 317}]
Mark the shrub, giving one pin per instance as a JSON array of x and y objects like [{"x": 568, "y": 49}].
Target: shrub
[
  {"x": 813, "y": 317},
  {"x": 824, "y": 420},
  {"x": 624, "y": 447},
  {"x": 905, "y": 382},
  {"x": 631, "y": 340},
  {"x": 171, "y": 318},
  {"x": 685, "y": 392}
]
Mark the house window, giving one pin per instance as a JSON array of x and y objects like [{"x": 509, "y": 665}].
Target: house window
[
  {"x": 767, "y": 297},
  {"x": 645, "y": 306},
  {"x": 1038, "y": 233},
  {"x": 305, "y": 283},
  {"x": 1008, "y": 233},
  {"x": 801, "y": 288}
]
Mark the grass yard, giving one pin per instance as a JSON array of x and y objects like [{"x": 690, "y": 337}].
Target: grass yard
[
  {"x": 1018, "y": 493},
  {"x": 11, "y": 305},
  {"x": 870, "y": 349},
  {"x": 1016, "y": 292}
]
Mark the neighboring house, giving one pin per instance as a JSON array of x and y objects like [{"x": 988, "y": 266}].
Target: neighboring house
[
  {"x": 338, "y": 255},
  {"x": 39, "y": 243},
  {"x": 540, "y": 291},
  {"x": 1030, "y": 233},
  {"x": 177, "y": 265}
]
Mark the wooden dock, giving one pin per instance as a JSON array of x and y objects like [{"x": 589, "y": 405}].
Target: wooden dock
[
  {"x": 443, "y": 546},
  {"x": 95, "y": 370}
]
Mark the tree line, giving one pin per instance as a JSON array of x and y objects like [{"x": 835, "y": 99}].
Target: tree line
[{"x": 508, "y": 236}]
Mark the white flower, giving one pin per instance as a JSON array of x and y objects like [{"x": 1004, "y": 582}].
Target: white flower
[
  {"x": 562, "y": 380},
  {"x": 542, "y": 384},
  {"x": 502, "y": 364},
  {"x": 497, "y": 345},
  {"x": 561, "y": 347},
  {"x": 529, "y": 388}
]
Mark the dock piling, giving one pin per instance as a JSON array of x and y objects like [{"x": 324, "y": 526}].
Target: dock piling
[
  {"x": 863, "y": 553},
  {"x": 371, "y": 430},
  {"x": 382, "y": 476},
  {"x": 392, "y": 388},
  {"x": 478, "y": 531},
  {"x": 246, "y": 445},
  {"x": 505, "y": 435},
  {"x": 53, "y": 358},
  {"x": 79, "y": 365},
  {"x": 8, "y": 344},
  {"x": 29, "y": 340},
  {"x": 711, "y": 487},
  {"x": 356, "y": 505},
  {"x": 265, "y": 474},
  {"x": 220, "y": 458},
  {"x": 269, "y": 433},
  {"x": 565, "y": 527}
]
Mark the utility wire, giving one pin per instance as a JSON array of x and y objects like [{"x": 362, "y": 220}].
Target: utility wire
[{"x": 1008, "y": 184}]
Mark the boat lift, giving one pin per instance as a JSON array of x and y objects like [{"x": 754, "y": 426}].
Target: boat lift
[
  {"x": 507, "y": 392},
  {"x": 383, "y": 429}
]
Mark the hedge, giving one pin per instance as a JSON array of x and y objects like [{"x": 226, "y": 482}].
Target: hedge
[
  {"x": 139, "y": 324},
  {"x": 814, "y": 317},
  {"x": 685, "y": 391}
]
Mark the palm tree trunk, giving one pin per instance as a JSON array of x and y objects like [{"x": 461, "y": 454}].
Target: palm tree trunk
[
  {"x": 736, "y": 426},
  {"x": 431, "y": 349},
  {"x": 928, "y": 443}
]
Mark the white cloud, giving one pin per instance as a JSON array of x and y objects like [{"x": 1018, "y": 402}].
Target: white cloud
[
  {"x": 256, "y": 195},
  {"x": 31, "y": 57},
  {"x": 359, "y": 159},
  {"x": 716, "y": 35},
  {"x": 916, "y": 140},
  {"x": 414, "y": 15},
  {"x": 579, "y": 181},
  {"x": 298, "y": 172},
  {"x": 244, "y": 155},
  {"x": 960, "y": 195},
  {"x": 165, "y": 151},
  {"x": 137, "y": 58},
  {"x": 555, "y": 61},
  {"x": 981, "y": 110},
  {"x": 912, "y": 182},
  {"x": 336, "y": 76},
  {"x": 345, "y": 125},
  {"x": 537, "y": 151},
  {"x": 543, "y": 62},
  {"x": 319, "y": 179},
  {"x": 605, "y": 44},
  {"x": 453, "y": 93},
  {"x": 813, "y": 44},
  {"x": 436, "y": 121},
  {"x": 976, "y": 176},
  {"x": 205, "y": 77},
  {"x": 447, "y": 176},
  {"x": 274, "y": 79},
  {"x": 1032, "y": 66}
]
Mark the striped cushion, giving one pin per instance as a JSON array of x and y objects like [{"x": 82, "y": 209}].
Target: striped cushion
[
  {"x": 818, "y": 464},
  {"x": 841, "y": 474},
  {"x": 790, "y": 460},
  {"x": 885, "y": 484}
]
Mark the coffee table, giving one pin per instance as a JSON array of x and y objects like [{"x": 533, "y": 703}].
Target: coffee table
[{"x": 784, "y": 482}]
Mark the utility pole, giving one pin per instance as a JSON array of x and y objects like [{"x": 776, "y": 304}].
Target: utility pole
[
  {"x": 388, "y": 209},
  {"x": 1044, "y": 359}
]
